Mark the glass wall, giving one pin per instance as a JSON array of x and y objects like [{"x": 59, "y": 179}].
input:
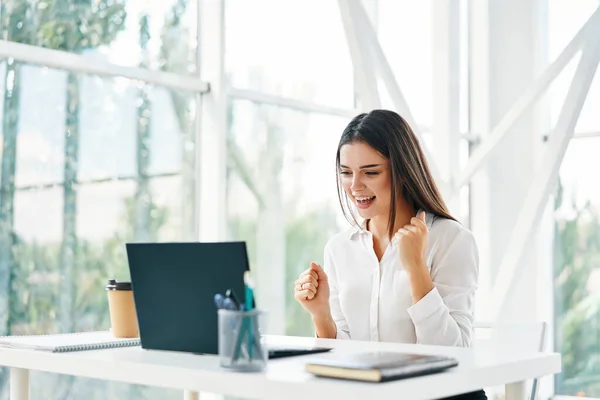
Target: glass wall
[
  {"x": 282, "y": 199},
  {"x": 295, "y": 49},
  {"x": 122, "y": 32},
  {"x": 281, "y": 187},
  {"x": 577, "y": 222},
  {"x": 88, "y": 164},
  {"x": 577, "y": 270}
]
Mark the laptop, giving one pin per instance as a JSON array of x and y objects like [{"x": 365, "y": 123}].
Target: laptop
[{"x": 174, "y": 286}]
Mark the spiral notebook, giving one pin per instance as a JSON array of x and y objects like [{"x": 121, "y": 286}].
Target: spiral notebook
[{"x": 60, "y": 343}]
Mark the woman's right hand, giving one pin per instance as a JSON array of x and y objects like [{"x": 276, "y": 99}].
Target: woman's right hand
[{"x": 311, "y": 290}]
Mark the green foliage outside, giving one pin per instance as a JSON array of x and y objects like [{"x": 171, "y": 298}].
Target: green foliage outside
[
  {"x": 35, "y": 276},
  {"x": 305, "y": 238},
  {"x": 577, "y": 308}
]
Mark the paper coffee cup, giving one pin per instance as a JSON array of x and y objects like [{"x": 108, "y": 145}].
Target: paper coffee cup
[{"x": 123, "y": 319}]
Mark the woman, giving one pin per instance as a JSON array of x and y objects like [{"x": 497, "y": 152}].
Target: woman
[{"x": 409, "y": 272}]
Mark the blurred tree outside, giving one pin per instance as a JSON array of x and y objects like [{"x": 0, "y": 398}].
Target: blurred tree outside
[
  {"x": 178, "y": 56},
  {"x": 143, "y": 197},
  {"x": 37, "y": 281},
  {"x": 74, "y": 26},
  {"x": 15, "y": 25},
  {"x": 277, "y": 230},
  {"x": 267, "y": 242},
  {"x": 67, "y": 25},
  {"x": 577, "y": 302},
  {"x": 37, "y": 291}
]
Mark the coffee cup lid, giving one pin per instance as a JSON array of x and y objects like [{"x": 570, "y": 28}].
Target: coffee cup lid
[{"x": 114, "y": 285}]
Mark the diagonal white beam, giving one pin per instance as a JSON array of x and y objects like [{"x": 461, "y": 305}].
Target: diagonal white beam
[
  {"x": 82, "y": 64},
  {"x": 366, "y": 80},
  {"x": 383, "y": 67},
  {"x": 537, "y": 197},
  {"x": 524, "y": 103}
]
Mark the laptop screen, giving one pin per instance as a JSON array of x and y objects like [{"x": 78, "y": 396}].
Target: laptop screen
[{"x": 174, "y": 286}]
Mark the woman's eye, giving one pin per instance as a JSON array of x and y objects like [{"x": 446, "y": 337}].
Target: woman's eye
[
  {"x": 372, "y": 173},
  {"x": 344, "y": 173}
]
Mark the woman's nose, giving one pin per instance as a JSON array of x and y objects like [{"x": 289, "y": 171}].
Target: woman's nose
[{"x": 356, "y": 183}]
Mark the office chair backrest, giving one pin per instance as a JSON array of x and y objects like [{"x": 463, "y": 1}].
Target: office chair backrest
[{"x": 521, "y": 337}]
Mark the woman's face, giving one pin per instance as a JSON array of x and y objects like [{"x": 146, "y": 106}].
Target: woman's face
[{"x": 366, "y": 179}]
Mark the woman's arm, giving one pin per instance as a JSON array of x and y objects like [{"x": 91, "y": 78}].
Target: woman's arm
[
  {"x": 443, "y": 315},
  {"x": 335, "y": 325},
  {"x": 325, "y": 327}
]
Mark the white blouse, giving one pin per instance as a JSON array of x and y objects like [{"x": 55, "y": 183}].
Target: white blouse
[{"x": 371, "y": 299}]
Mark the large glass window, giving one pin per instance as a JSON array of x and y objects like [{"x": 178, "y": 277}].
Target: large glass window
[
  {"x": 88, "y": 164},
  {"x": 577, "y": 223},
  {"x": 577, "y": 271},
  {"x": 282, "y": 199},
  {"x": 125, "y": 32},
  {"x": 294, "y": 49}
]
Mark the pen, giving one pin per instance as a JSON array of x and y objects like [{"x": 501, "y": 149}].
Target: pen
[
  {"x": 249, "y": 290},
  {"x": 225, "y": 303},
  {"x": 230, "y": 294},
  {"x": 249, "y": 287}
]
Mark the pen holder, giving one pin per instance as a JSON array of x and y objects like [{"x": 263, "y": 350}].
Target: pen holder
[{"x": 240, "y": 346}]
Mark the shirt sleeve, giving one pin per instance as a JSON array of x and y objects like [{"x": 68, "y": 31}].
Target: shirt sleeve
[
  {"x": 444, "y": 316},
  {"x": 343, "y": 331}
]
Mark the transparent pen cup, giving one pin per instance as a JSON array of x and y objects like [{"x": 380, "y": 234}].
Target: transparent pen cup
[{"x": 240, "y": 345}]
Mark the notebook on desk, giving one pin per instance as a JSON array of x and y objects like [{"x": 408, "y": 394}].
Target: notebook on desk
[
  {"x": 378, "y": 366},
  {"x": 67, "y": 342}
]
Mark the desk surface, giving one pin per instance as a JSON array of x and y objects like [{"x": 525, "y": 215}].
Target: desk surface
[{"x": 285, "y": 378}]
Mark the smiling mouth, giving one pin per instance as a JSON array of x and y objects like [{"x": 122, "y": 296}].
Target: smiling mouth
[{"x": 365, "y": 200}]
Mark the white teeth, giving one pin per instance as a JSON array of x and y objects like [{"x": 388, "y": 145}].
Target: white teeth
[{"x": 364, "y": 198}]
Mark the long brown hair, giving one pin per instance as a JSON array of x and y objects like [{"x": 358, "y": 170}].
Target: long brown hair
[{"x": 391, "y": 136}]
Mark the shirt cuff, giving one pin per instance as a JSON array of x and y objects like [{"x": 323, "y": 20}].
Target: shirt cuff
[
  {"x": 340, "y": 334},
  {"x": 425, "y": 307}
]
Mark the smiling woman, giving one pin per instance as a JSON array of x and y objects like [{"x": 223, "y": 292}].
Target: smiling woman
[
  {"x": 417, "y": 244},
  {"x": 407, "y": 273},
  {"x": 379, "y": 151}
]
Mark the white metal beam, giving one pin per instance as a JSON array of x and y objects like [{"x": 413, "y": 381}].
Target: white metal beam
[
  {"x": 364, "y": 71},
  {"x": 539, "y": 192},
  {"x": 446, "y": 98},
  {"x": 367, "y": 32},
  {"x": 524, "y": 103},
  {"x": 212, "y": 136},
  {"x": 480, "y": 105},
  {"x": 295, "y": 104},
  {"x": 588, "y": 134},
  {"x": 82, "y": 64}
]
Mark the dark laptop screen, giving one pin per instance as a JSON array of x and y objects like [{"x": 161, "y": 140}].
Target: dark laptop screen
[{"x": 174, "y": 286}]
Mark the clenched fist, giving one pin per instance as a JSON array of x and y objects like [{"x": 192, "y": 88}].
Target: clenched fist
[
  {"x": 311, "y": 290},
  {"x": 412, "y": 243}
]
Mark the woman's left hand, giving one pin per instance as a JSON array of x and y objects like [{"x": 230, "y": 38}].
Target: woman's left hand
[{"x": 412, "y": 242}]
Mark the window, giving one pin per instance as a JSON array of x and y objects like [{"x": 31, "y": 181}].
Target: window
[
  {"x": 577, "y": 223},
  {"x": 291, "y": 49},
  {"x": 577, "y": 271},
  {"x": 124, "y": 150},
  {"x": 282, "y": 199},
  {"x": 124, "y": 32}
]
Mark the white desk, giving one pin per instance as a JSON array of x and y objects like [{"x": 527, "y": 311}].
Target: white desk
[{"x": 284, "y": 378}]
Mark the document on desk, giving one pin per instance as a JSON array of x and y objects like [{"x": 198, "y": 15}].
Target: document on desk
[
  {"x": 68, "y": 342},
  {"x": 378, "y": 366}
]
